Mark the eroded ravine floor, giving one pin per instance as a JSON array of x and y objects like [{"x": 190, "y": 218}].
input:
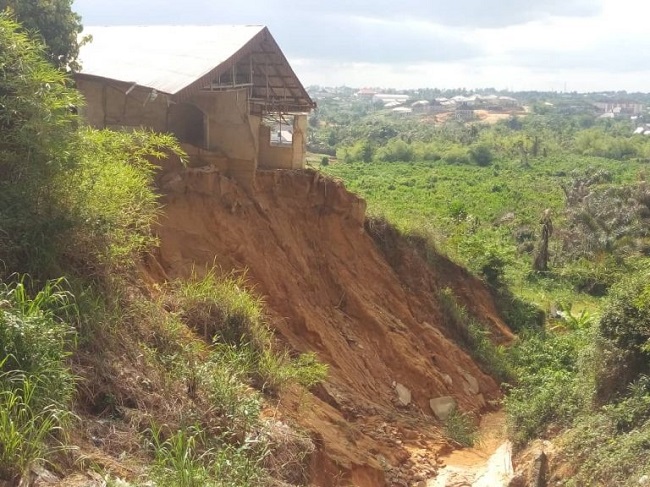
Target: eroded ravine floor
[{"x": 488, "y": 464}]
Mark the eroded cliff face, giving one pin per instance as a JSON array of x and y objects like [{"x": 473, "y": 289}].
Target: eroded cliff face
[{"x": 365, "y": 301}]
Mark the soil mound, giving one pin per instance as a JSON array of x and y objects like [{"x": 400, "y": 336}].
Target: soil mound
[{"x": 357, "y": 293}]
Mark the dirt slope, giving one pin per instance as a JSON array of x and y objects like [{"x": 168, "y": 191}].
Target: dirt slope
[{"x": 366, "y": 304}]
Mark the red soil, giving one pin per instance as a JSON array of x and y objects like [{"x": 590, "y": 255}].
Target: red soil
[{"x": 367, "y": 306}]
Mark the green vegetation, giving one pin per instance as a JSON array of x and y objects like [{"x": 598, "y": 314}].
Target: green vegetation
[
  {"x": 483, "y": 194},
  {"x": 80, "y": 336},
  {"x": 461, "y": 428},
  {"x": 54, "y": 23},
  {"x": 472, "y": 335},
  {"x": 36, "y": 384},
  {"x": 189, "y": 459},
  {"x": 232, "y": 319}
]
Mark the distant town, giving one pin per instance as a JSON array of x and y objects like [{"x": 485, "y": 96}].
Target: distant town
[{"x": 490, "y": 105}]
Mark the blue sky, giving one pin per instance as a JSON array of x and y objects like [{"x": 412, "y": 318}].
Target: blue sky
[{"x": 583, "y": 45}]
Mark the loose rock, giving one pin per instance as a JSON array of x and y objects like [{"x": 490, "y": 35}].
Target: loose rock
[
  {"x": 403, "y": 394},
  {"x": 442, "y": 407}
]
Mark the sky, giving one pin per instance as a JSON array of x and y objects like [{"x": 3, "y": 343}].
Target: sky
[{"x": 518, "y": 45}]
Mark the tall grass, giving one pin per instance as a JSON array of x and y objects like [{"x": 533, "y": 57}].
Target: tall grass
[
  {"x": 212, "y": 334},
  {"x": 30, "y": 427},
  {"x": 36, "y": 384},
  {"x": 34, "y": 337},
  {"x": 226, "y": 314},
  {"x": 461, "y": 428},
  {"x": 474, "y": 336},
  {"x": 188, "y": 458}
]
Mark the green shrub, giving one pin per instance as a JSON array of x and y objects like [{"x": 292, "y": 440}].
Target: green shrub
[
  {"x": 487, "y": 258},
  {"x": 36, "y": 384},
  {"x": 549, "y": 388},
  {"x": 71, "y": 200},
  {"x": 609, "y": 446},
  {"x": 231, "y": 317},
  {"x": 28, "y": 423},
  {"x": 395, "y": 150},
  {"x": 188, "y": 458},
  {"x": 35, "y": 340},
  {"x": 474, "y": 336},
  {"x": 626, "y": 315},
  {"x": 519, "y": 314},
  {"x": 37, "y": 128},
  {"x": 225, "y": 376},
  {"x": 461, "y": 428},
  {"x": 481, "y": 155},
  {"x": 624, "y": 327},
  {"x": 221, "y": 309},
  {"x": 456, "y": 155},
  {"x": 109, "y": 199}
]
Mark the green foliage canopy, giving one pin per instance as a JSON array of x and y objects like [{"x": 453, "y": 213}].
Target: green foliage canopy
[
  {"x": 69, "y": 197},
  {"x": 55, "y": 23}
]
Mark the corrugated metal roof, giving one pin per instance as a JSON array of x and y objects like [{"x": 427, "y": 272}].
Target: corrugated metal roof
[{"x": 166, "y": 58}]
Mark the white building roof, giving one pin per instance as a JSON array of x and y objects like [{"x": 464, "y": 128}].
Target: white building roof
[
  {"x": 182, "y": 60},
  {"x": 390, "y": 96},
  {"x": 166, "y": 58}
]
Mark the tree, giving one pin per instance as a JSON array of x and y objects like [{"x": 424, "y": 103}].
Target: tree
[
  {"x": 55, "y": 23},
  {"x": 541, "y": 259},
  {"x": 481, "y": 155}
]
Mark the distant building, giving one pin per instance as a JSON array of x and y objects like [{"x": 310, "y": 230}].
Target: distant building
[
  {"x": 464, "y": 113},
  {"x": 366, "y": 93},
  {"x": 402, "y": 111},
  {"x": 421, "y": 106},
  {"x": 619, "y": 107},
  {"x": 507, "y": 101},
  {"x": 389, "y": 97}
]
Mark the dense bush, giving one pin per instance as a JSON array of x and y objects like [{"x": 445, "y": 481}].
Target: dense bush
[
  {"x": 626, "y": 316},
  {"x": 69, "y": 198},
  {"x": 481, "y": 155},
  {"x": 625, "y": 337},
  {"x": 36, "y": 384},
  {"x": 396, "y": 150},
  {"x": 456, "y": 155},
  {"x": 548, "y": 384}
]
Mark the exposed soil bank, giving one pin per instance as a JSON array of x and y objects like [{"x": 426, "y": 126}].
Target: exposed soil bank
[{"x": 370, "y": 311}]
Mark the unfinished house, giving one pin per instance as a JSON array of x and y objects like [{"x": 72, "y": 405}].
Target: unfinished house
[{"x": 219, "y": 89}]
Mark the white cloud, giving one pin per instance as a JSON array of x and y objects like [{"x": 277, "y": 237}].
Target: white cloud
[{"x": 527, "y": 44}]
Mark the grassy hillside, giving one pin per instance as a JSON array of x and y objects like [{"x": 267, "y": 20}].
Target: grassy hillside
[{"x": 472, "y": 211}]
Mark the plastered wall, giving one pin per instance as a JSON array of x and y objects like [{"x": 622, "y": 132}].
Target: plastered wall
[
  {"x": 273, "y": 157},
  {"x": 108, "y": 105},
  {"x": 284, "y": 157},
  {"x": 230, "y": 129}
]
